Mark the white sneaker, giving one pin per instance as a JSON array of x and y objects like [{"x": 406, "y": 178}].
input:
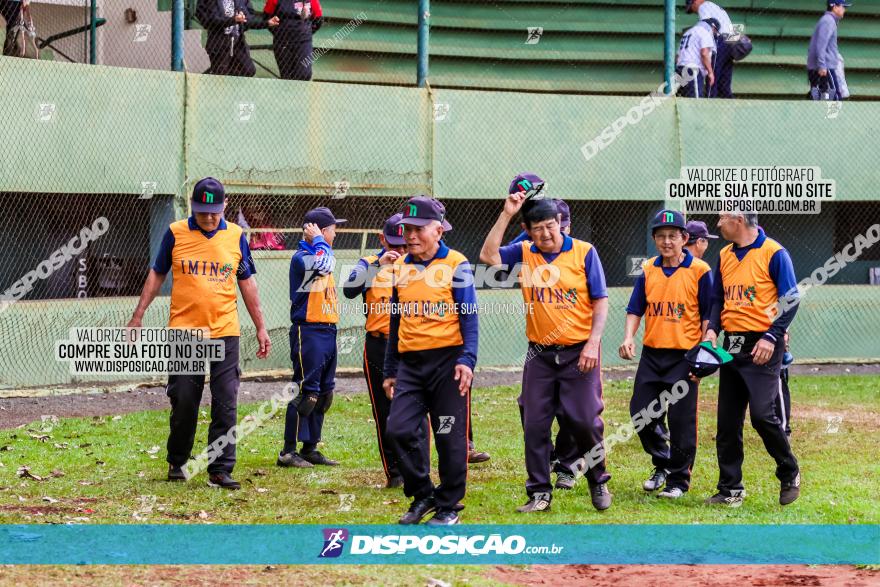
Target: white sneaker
[{"x": 671, "y": 493}]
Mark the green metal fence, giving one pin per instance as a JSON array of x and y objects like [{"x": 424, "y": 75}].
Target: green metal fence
[{"x": 84, "y": 142}]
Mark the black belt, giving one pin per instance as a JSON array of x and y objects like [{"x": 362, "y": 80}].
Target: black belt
[{"x": 557, "y": 347}]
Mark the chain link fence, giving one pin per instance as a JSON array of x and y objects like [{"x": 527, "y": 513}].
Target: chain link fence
[{"x": 99, "y": 161}]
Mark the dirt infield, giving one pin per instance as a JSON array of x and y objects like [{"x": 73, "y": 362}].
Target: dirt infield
[
  {"x": 15, "y": 411},
  {"x": 593, "y": 575},
  {"x": 695, "y": 575}
]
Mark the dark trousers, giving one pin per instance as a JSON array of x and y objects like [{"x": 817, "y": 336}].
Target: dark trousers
[
  {"x": 293, "y": 51},
  {"x": 723, "y": 68},
  {"x": 823, "y": 87},
  {"x": 553, "y": 385},
  {"x": 744, "y": 384},
  {"x": 783, "y": 405},
  {"x": 185, "y": 393},
  {"x": 426, "y": 385},
  {"x": 696, "y": 88},
  {"x": 659, "y": 370},
  {"x": 230, "y": 56},
  {"x": 9, "y": 11},
  {"x": 564, "y": 451},
  {"x": 313, "y": 355},
  {"x": 374, "y": 358}
]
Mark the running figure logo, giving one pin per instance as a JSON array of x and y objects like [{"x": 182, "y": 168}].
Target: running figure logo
[
  {"x": 445, "y": 426},
  {"x": 334, "y": 540}
]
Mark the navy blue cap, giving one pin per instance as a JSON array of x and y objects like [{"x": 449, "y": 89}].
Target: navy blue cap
[
  {"x": 422, "y": 211},
  {"x": 529, "y": 183},
  {"x": 698, "y": 229},
  {"x": 208, "y": 196},
  {"x": 564, "y": 213},
  {"x": 671, "y": 218},
  {"x": 843, "y": 3},
  {"x": 713, "y": 22},
  {"x": 393, "y": 231},
  {"x": 323, "y": 217}
]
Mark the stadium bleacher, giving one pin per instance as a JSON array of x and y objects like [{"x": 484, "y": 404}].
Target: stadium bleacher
[{"x": 587, "y": 46}]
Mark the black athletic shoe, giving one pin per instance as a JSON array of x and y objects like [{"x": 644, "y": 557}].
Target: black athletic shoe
[
  {"x": 316, "y": 458},
  {"x": 600, "y": 496},
  {"x": 565, "y": 480},
  {"x": 790, "y": 491},
  {"x": 292, "y": 459},
  {"x": 223, "y": 480},
  {"x": 655, "y": 481},
  {"x": 444, "y": 518},
  {"x": 418, "y": 510},
  {"x": 175, "y": 473},
  {"x": 539, "y": 502},
  {"x": 731, "y": 501},
  {"x": 392, "y": 482}
]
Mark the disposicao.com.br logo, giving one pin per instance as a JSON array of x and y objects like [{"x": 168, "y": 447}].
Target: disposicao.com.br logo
[{"x": 450, "y": 544}]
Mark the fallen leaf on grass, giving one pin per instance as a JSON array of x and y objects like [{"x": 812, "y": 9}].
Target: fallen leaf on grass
[
  {"x": 39, "y": 437},
  {"x": 6, "y": 447},
  {"x": 62, "y": 446},
  {"x": 85, "y": 482},
  {"x": 328, "y": 491},
  {"x": 25, "y": 473},
  {"x": 391, "y": 501},
  {"x": 153, "y": 450},
  {"x": 116, "y": 418},
  {"x": 262, "y": 490},
  {"x": 48, "y": 499},
  {"x": 260, "y": 473},
  {"x": 56, "y": 473}
]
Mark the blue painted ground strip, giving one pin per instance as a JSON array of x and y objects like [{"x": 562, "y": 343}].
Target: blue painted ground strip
[{"x": 302, "y": 544}]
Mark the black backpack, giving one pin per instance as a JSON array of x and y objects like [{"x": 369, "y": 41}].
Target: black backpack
[{"x": 741, "y": 48}]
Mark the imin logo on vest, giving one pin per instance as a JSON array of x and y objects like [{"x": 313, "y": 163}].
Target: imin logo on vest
[{"x": 670, "y": 309}]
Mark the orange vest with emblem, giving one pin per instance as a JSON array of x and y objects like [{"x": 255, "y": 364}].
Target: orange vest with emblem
[
  {"x": 672, "y": 315},
  {"x": 559, "y": 313},
  {"x": 203, "y": 283},
  {"x": 749, "y": 291},
  {"x": 428, "y": 317}
]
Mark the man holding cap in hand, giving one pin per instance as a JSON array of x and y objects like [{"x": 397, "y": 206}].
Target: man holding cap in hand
[
  {"x": 673, "y": 294},
  {"x": 429, "y": 363},
  {"x": 313, "y": 315},
  {"x": 753, "y": 272},
  {"x": 207, "y": 256}
]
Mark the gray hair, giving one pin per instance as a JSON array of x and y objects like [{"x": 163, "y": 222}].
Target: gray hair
[{"x": 749, "y": 218}]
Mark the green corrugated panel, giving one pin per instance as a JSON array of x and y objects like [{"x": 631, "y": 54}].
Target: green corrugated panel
[
  {"x": 487, "y": 138},
  {"x": 95, "y": 112},
  {"x": 304, "y": 136},
  {"x": 760, "y": 133}
]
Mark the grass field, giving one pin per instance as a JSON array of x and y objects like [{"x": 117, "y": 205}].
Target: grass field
[{"x": 111, "y": 469}]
